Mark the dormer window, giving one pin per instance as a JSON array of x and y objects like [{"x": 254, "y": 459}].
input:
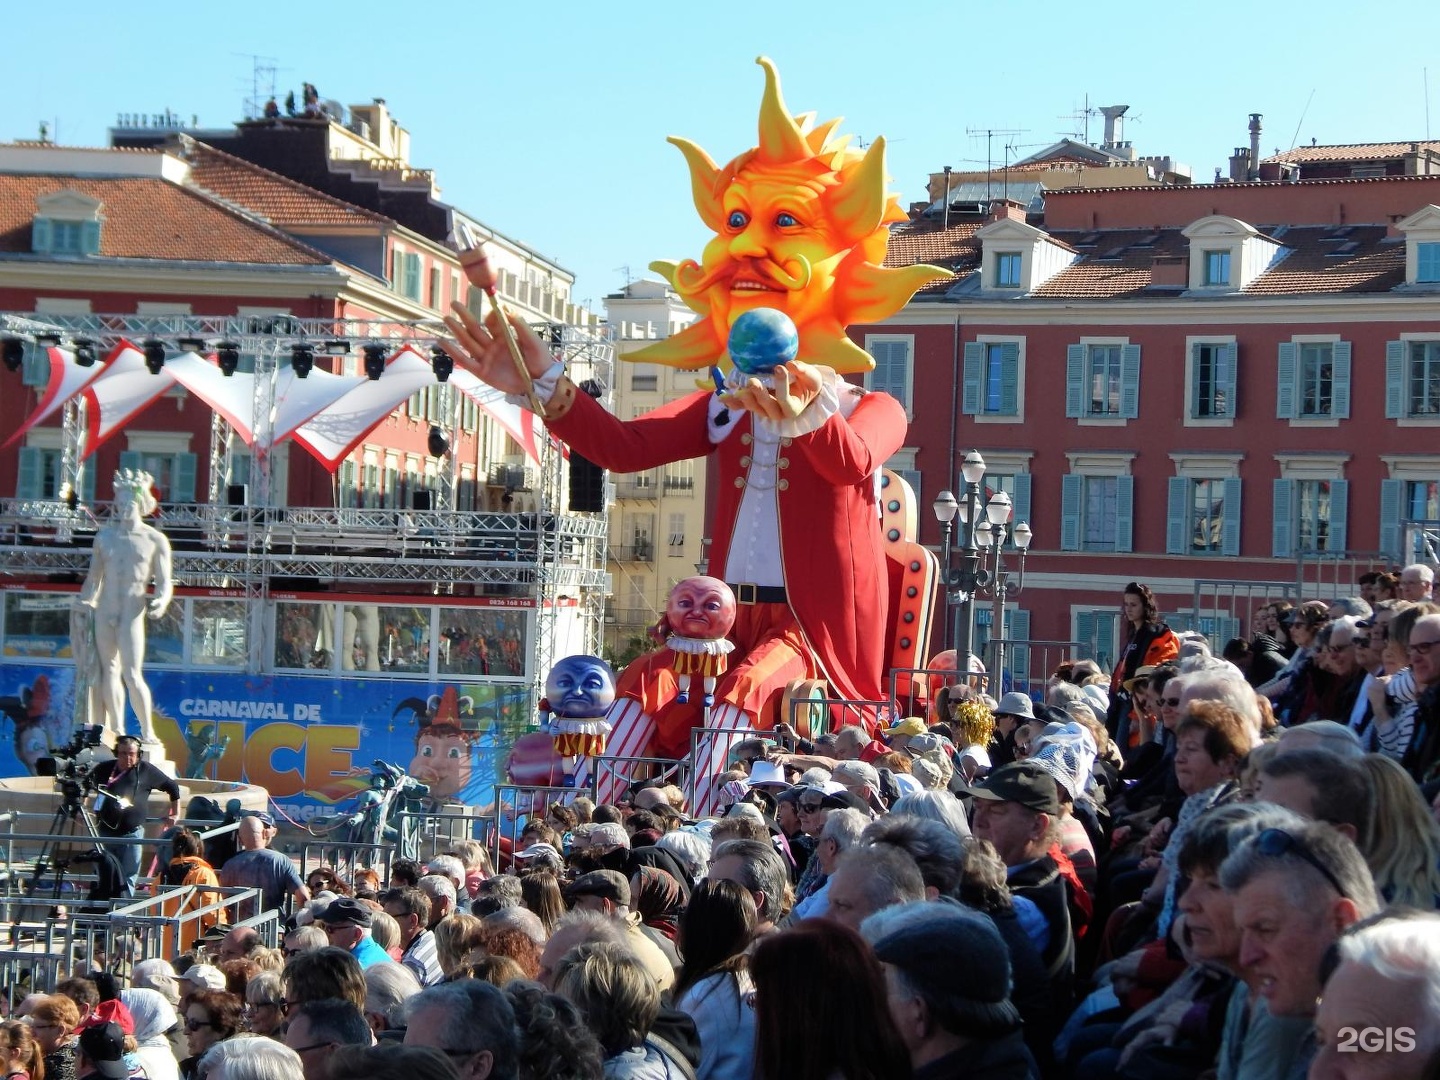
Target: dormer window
[
  {"x": 1007, "y": 269},
  {"x": 66, "y": 223},
  {"x": 1228, "y": 254},
  {"x": 1422, "y": 246},
  {"x": 1217, "y": 267}
]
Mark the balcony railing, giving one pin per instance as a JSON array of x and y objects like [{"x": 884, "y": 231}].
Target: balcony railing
[{"x": 638, "y": 553}]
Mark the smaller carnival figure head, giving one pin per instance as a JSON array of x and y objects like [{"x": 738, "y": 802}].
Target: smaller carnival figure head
[
  {"x": 447, "y": 733},
  {"x": 701, "y": 607},
  {"x": 137, "y": 488},
  {"x": 580, "y": 687}
]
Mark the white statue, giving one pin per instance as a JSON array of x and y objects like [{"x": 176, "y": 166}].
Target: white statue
[{"x": 128, "y": 556}]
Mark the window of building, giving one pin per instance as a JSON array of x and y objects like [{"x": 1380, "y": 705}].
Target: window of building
[
  {"x": 1427, "y": 262},
  {"x": 218, "y": 633},
  {"x": 638, "y": 536},
  {"x": 1096, "y": 512},
  {"x": 1217, "y": 268},
  {"x": 644, "y": 377},
  {"x": 680, "y": 477},
  {"x": 1102, "y": 380},
  {"x": 173, "y": 471},
  {"x": 1096, "y": 630},
  {"x": 66, "y": 223},
  {"x": 1203, "y": 516},
  {"x": 676, "y": 532},
  {"x": 1211, "y": 383},
  {"x": 436, "y": 300},
  {"x": 1313, "y": 380},
  {"x": 1007, "y": 269},
  {"x": 1310, "y": 506},
  {"x": 1423, "y": 379},
  {"x": 994, "y": 371},
  {"x": 1422, "y": 500},
  {"x": 894, "y": 369}
]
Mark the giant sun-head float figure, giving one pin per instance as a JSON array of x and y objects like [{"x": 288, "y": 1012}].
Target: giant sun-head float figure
[{"x": 800, "y": 222}]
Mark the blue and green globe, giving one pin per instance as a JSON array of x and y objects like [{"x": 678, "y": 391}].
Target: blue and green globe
[{"x": 761, "y": 340}]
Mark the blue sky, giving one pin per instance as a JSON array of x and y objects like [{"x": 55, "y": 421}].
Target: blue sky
[{"x": 548, "y": 120}]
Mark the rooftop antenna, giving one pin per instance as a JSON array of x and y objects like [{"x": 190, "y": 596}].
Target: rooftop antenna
[
  {"x": 1295, "y": 139},
  {"x": 1081, "y": 116},
  {"x": 1425, "y": 76},
  {"x": 263, "y": 71},
  {"x": 990, "y": 134}
]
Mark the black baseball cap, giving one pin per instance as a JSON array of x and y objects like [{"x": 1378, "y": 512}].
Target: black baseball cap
[
  {"x": 1021, "y": 782},
  {"x": 347, "y": 911},
  {"x": 104, "y": 1046}
]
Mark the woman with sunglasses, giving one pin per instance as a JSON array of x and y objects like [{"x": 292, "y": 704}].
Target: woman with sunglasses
[
  {"x": 211, "y": 1017},
  {"x": 264, "y": 1005},
  {"x": 53, "y": 1021}
]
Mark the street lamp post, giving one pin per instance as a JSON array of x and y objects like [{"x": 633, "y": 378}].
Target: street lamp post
[{"x": 981, "y": 532}]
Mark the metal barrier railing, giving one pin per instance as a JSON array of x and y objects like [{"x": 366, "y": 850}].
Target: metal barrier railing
[
  {"x": 1033, "y": 659},
  {"x": 612, "y": 775},
  {"x": 1222, "y": 609},
  {"x": 24, "y": 972},
  {"x": 346, "y": 857},
  {"x": 436, "y": 833},
  {"x": 166, "y": 924},
  {"x": 516, "y": 803}
]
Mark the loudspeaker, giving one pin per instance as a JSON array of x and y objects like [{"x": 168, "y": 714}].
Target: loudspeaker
[
  {"x": 587, "y": 485},
  {"x": 237, "y": 495},
  {"x": 420, "y": 500}
]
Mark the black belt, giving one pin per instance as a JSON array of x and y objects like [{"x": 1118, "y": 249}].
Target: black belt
[{"x": 748, "y": 593}]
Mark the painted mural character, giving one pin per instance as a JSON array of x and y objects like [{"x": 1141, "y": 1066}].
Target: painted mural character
[
  {"x": 578, "y": 693},
  {"x": 450, "y": 757},
  {"x": 36, "y": 730}
]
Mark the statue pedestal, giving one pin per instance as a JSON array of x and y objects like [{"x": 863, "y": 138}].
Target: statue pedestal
[{"x": 154, "y": 753}]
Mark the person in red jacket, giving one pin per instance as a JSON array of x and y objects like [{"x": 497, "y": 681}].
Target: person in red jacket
[{"x": 1145, "y": 641}]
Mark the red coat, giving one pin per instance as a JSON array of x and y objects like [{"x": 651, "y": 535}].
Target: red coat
[{"x": 832, "y": 556}]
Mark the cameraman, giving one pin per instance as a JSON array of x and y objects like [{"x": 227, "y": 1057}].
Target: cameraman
[{"x": 128, "y": 782}]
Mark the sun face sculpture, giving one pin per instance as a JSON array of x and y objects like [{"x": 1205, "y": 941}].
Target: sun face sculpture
[{"x": 800, "y": 222}]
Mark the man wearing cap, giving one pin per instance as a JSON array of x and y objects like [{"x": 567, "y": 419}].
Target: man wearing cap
[
  {"x": 102, "y": 1053},
  {"x": 347, "y": 925},
  {"x": 900, "y": 732},
  {"x": 1017, "y": 808},
  {"x": 1013, "y": 710},
  {"x": 952, "y": 1027},
  {"x": 195, "y": 978},
  {"x": 608, "y": 847},
  {"x": 256, "y": 866},
  {"x": 606, "y": 892}
]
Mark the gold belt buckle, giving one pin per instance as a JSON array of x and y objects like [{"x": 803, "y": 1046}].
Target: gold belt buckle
[{"x": 745, "y": 593}]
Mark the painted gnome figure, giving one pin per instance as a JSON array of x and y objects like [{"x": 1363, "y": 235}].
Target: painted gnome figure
[
  {"x": 700, "y": 613},
  {"x": 578, "y": 693}
]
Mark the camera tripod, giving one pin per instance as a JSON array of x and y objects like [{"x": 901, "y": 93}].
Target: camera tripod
[{"x": 81, "y": 822}]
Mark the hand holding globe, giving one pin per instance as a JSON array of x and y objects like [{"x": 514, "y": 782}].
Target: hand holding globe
[{"x": 763, "y": 342}]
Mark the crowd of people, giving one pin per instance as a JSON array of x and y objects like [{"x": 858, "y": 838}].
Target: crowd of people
[{"x": 1189, "y": 866}]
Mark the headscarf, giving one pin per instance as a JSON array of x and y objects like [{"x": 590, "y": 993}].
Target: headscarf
[
  {"x": 659, "y": 900},
  {"x": 154, "y": 1016}
]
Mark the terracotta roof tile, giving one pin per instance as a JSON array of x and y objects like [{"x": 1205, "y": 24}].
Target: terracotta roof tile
[
  {"x": 278, "y": 199},
  {"x": 1354, "y": 151},
  {"x": 926, "y": 240},
  {"x": 151, "y": 218}
]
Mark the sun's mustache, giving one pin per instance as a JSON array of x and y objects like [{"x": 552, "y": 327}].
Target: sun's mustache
[{"x": 691, "y": 277}]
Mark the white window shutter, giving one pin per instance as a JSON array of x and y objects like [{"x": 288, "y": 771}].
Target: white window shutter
[
  {"x": 1177, "y": 516},
  {"x": 1286, "y": 365}
]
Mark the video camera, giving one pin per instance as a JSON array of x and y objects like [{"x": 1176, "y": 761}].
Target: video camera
[{"x": 70, "y": 764}]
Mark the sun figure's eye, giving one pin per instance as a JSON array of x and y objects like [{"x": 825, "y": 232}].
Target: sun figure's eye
[
  {"x": 738, "y": 219},
  {"x": 786, "y": 221}
]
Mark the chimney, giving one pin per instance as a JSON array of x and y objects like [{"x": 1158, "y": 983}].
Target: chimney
[
  {"x": 1114, "y": 124},
  {"x": 1253, "y": 171},
  {"x": 1239, "y": 164},
  {"x": 1001, "y": 209},
  {"x": 1169, "y": 272}
]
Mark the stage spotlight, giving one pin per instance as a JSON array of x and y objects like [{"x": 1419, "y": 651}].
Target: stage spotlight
[
  {"x": 47, "y": 341},
  {"x": 337, "y": 348},
  {"x": 192, "y": 344},
  {"x": 302, "y": 358},
  {"x": 374, "y": 361},
  {"x": 154, "y": 355},
  {"x": 437, "y": 443},
  {"x": 440, "y": 363},
  {"x": 12, "y": 351},
  {"x": 228, "y": 353},
  {"x": 84, "y": 352}
]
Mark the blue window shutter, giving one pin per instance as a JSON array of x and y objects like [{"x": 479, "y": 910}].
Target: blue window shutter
[
  {"x": 1286, "y": 365},
  {"x": 1195, "y": 381},
  {"x": 35, "y": 368},
  {"x": 87, "y": 482},
  {"x": 1021, "y": 498},
  {"x": 31, "y": 471},
  {"x": 1177, "y": 517},
  {"x": 1010, "y": 379},
  {"x": 1340, "y": 381},
  {"x": 1130, "y": 381},
  {"x": 1230, "y": 526},
  {"x": 1226, "y": 377},
  {"x": 1392, "y": 496},
  {"x": 1336, "y": 539},
  {"x": 183, "y": 488},
  {"x": 1072, "y": 491},
  {"x": 1124, "y": 513},
  {"x": 90, "y": 238},
  {"x": 132, "y": 459},
  {"x": 1282, "y": 535},
  {"x": 1074, "y": 381},
  {"x": 970, "y": 392},
  {"x": 1085, "y": 631},
  {"x": 42, "y": 237},
  {"x": 1019, "y": 623},
  {"x": 1394, "y": 380}
]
